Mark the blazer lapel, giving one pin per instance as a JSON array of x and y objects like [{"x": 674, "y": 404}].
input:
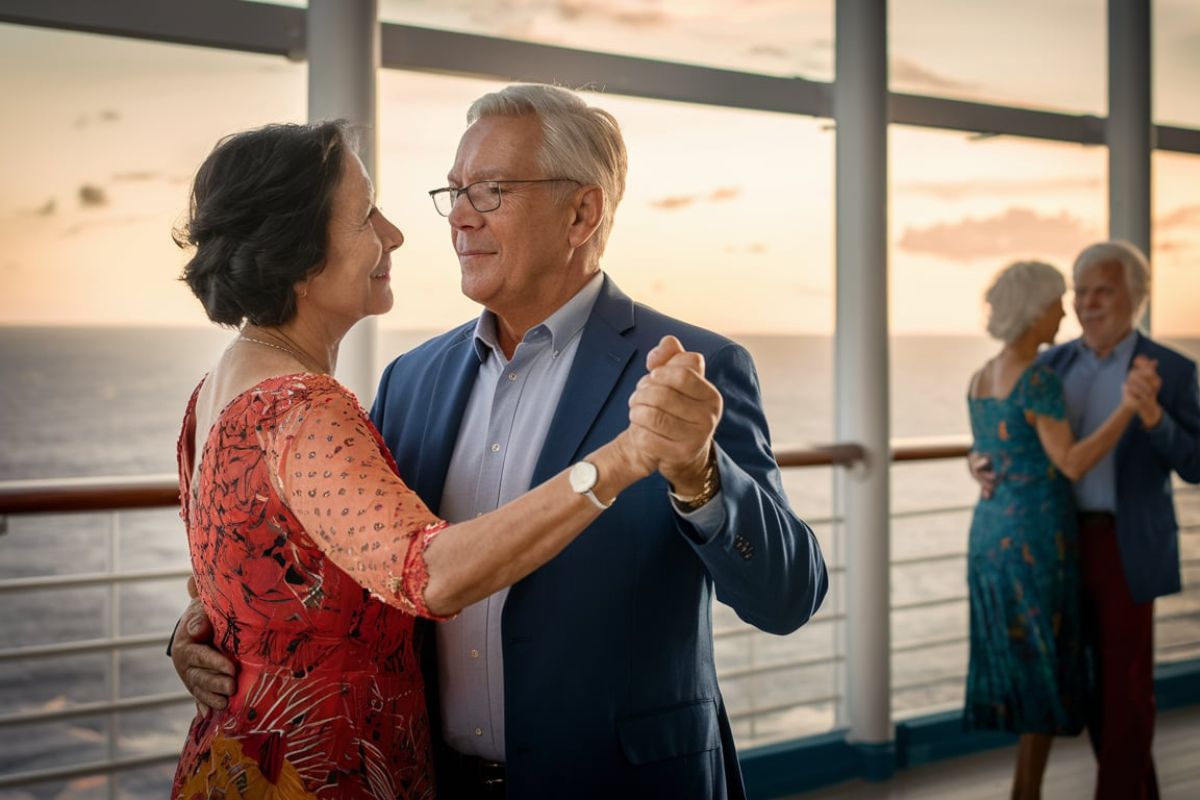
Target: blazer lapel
[
  {"x": 602, "y": 357},
  {"x": 447, "y": 402}
]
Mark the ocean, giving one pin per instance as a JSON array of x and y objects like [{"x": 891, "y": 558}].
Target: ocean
[{"x": 108, "y": 401}]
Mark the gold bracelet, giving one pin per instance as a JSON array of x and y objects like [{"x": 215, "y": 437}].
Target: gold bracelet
[{"x": 709, "y": 488}]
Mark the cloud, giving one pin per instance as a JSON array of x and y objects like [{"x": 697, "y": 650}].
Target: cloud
[
  {"x": 954, "y": 190},
  {"x": 907, "y": 71},
  {"x": 136, "y": 175},
  {"x": 1016, "y": 231},
  {"x": 103, "y": 115},
  {"x": 1184, "y": 217},
  {"x": 91, "y": 196},
  {"x": 675, "y": 202},
  {"x": 769, "y": 50},
  {"x": 128, "y": 219},
  {"x": 578, "y": 10},
  {"x": 46, "y": 209},
  {"x": 1173, "y": 246},
  {"x": 754, "y": 248}
]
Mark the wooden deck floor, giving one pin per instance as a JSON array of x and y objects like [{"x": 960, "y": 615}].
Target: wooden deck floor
[{"x": 1070, "y": 775}]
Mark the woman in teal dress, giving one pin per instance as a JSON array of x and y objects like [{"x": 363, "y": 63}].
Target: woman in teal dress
[{"x": 1026, "y": 672}]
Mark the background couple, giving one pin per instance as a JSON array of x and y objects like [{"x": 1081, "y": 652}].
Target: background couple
[
  {"x": 317, "y": 558},
  {"x": 1075, "y": 534}
]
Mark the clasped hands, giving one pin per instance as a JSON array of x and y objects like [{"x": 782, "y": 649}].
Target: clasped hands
[
  {"x": 1140, "y": 390},
  {"x": 673, "y": 415}
]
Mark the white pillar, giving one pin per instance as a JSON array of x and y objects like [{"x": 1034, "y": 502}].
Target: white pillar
[
  {"x": 343, "y": 60},
  {"x": 1130, "y": 128},
  {"x": 860, "y": 98}
]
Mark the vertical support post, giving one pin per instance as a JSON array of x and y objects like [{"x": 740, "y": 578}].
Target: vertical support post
[
  {"x": 860, "y": 106},
  {"x": 1130, "y": 129},
  {"x": 343, "y": 61},
  {"x": 114, "y": 632}
]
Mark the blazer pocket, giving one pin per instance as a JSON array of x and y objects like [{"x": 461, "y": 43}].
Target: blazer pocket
[{"x": 669, "y": 732}]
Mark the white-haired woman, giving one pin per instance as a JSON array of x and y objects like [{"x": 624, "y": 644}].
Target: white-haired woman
[{"x": 1026, "y": 673}]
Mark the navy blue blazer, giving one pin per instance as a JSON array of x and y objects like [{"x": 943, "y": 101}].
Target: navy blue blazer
[
  {"x": 609, "y": 684},
  {"x": 1147, "y": 531}
]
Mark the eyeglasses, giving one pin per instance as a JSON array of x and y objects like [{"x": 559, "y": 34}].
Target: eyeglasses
[{"x": 484, "y": 196}]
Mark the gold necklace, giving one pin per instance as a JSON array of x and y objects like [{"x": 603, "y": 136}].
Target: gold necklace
[{"x": 303, "y": 361}]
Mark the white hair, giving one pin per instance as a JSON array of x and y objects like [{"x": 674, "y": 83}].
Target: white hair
[
  {"x": 1019, "y": 294},
  {"x": 579, "y": 141},
  {"x": 1133, "y": 264}
]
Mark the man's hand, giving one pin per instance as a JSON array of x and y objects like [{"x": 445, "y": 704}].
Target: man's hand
[
  {"x": 983, "y": 472},
  {"x": 1143, "y": 383},
  {"x": 207, "y": 675},
  {"x": 673, "y": 415}
]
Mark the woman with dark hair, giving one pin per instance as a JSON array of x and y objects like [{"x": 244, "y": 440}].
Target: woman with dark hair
[{"x": 310, "y": 555}]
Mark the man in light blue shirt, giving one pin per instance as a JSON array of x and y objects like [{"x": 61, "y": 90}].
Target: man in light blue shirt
[{"x": 1128, "y": 537}]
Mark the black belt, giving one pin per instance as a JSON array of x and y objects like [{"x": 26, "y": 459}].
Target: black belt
[
  {"x": 472, "y": 778},
  {"x": 1090, "y": 518}
]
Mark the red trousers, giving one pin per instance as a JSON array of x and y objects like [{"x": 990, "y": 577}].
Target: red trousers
[{"x": 1120, "y": 635}]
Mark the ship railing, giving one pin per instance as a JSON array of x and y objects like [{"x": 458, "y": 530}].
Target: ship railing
[{"x": 756, "y": 658}]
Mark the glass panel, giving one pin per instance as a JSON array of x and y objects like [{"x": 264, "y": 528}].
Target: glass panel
[
  {"x": 778, "y": 37},
  {"x": 1174, "y": 290},
  {"x": 962, "y": 208},
  {"x": 1176, "y": 243},
  {"x": 105, "y": 136},
  {"x": 1038, "y": 53},
  {"x": 1176, "y": 67}
]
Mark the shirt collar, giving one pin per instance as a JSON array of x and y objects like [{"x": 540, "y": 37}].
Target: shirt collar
[
  {"x": 561, "y": 326},
  {"x": 1122, "y": 352}
]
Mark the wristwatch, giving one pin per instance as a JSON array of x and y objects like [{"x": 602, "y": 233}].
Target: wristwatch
[{"x": 583, "y": 477}]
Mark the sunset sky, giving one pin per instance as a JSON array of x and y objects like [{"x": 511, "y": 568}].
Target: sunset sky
[{"x": 727, "y": 219}]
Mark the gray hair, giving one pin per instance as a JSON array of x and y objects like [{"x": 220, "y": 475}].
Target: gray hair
[
  {"x": 1133, "y": 265},
  {"x": 579, "y": 141},
  {"x": 1019, "y": 294}
]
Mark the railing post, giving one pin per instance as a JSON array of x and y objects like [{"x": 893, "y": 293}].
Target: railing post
[
  {"x": 860, "y": 106},
  {"x": 343, "y": 62},
  {"x": 114, "y": 656},
  {"x": 1130, "y": 129}
]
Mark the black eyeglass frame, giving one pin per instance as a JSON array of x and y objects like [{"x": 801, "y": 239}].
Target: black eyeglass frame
[{"x": 453, "y": 192}]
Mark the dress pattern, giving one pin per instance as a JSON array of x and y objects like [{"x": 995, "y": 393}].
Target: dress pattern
[
  {"x": 1026, "y": 672},
  {"x": 308, "y": 554}
]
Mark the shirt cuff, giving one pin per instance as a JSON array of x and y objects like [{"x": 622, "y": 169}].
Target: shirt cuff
[{"x": 708, "y": 518}]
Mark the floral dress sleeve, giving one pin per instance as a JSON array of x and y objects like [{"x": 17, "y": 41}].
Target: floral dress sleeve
[
  {"x": 1042, "y": 394},
  {"x": 328, "y": 466}
]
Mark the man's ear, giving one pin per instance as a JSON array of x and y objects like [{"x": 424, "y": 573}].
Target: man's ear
[{"x": 587, "y": 211}]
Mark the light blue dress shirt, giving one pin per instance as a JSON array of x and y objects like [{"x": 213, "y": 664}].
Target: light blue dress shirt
[
  {"x": 1092, "y": 389},
  {"x": 499, "y": 441}
]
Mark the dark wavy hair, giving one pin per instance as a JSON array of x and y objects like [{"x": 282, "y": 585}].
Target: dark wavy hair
[{"x": 258, "y": 219}]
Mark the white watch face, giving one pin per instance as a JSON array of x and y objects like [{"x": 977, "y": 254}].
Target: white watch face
[{"x": 583, "y": 476}]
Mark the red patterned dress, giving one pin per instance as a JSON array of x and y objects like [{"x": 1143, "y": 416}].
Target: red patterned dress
[{"x": 308, "y": 552}]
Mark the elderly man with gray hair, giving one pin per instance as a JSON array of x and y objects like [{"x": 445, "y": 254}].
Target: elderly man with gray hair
[{"x": 1128, "y": 534}]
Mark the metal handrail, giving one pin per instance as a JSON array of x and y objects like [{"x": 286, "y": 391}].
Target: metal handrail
[
  {"x": 84, "y": 646},
  {"x": 778, "y": 666},
  {"x": 77, "y": 710},
  {"x": 89, "y": 494},
  {"x": 808, "y": 701},
  {"x": 108, "y": 767},
  {"x": 156, "y": 491},
  {"x": 89, "y": 579}
]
